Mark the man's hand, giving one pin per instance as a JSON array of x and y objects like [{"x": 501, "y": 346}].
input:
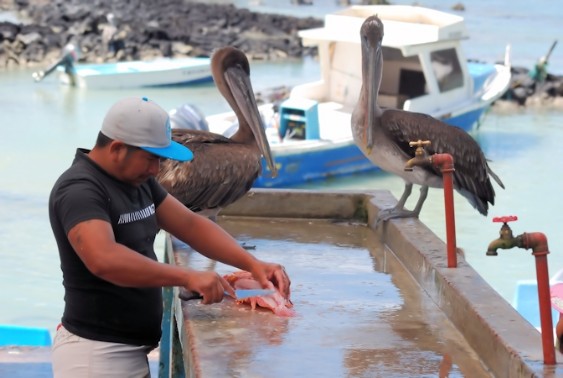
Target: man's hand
[
  {"x": 210, "y": 285},
  {"x": 275, "y": 273}
]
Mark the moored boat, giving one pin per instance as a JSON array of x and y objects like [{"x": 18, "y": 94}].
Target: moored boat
[
  {"x": 424, "y": 71},
  {"x": 17, "y": 335},
  {"x": 158, "y": 72},
  {"x": 140, "y": 73}
]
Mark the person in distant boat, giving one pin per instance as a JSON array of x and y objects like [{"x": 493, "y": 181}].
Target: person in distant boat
[
  {"x": 111, "y": 39},
  {"x": 105, "y": 212},
  {"x": 69, "y": 55}
]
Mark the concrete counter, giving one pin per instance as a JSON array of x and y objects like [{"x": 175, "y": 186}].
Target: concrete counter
[{"x": 369, "y": 302}]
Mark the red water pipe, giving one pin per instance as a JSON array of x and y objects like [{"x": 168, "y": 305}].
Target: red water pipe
[
  {"x": 538, "y": 243},
  {"x": 446, "y": 163}
]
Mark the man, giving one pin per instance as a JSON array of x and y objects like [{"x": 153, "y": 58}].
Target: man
[
  {"x": 105, "y": 212},
  {"x": 69, "y": 55}
]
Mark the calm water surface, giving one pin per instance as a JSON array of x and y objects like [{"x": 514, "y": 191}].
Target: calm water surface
[{"x": 42, "y": 124}]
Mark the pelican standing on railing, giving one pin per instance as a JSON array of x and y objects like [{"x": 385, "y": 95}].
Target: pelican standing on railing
[
  {"x": 383, "y": 135},
  {"x": 223, "y": 169}
]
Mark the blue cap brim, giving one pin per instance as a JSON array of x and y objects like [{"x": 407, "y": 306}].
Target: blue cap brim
[{"x": 174, "y": 151}]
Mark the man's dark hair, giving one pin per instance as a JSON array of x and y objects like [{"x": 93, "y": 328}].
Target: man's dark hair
[{"x": 102, "y": 140}]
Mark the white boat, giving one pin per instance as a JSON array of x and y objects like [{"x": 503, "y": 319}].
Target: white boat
[
  {"x": 158, "y": 72},
  {"x": 424, "y": 71}
]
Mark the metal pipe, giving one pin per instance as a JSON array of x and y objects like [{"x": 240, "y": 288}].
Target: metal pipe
[
  {"x": 446, "y": 163},
  {"x": 538, "y": 243}
]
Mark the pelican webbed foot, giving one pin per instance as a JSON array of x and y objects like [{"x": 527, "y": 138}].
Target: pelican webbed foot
[
  {"x": 394, "y": 213},
  {"x": 399, "y": 211}
]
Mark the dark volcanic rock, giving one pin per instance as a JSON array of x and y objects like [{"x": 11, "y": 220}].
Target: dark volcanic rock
[
  {"x": 145, "y": 29},
  {"x": 526, "y": 89}
]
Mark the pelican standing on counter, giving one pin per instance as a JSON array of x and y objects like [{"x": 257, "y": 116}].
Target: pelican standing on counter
[
  {"x": 223, "y": 169},
  {"x": 383, "y": 135}
]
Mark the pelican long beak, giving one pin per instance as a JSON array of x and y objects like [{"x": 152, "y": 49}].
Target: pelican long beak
[
  {"x": 241, "y": 88},
  {"x": 374, "y": 71}
]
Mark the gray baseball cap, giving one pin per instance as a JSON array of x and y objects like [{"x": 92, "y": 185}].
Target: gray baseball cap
[{"x": 143, "y": 123}]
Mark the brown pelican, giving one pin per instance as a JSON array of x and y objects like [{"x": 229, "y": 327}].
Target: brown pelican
[
  {"x": 383, "y": 135},
  {"x": 223, "y": 169}
]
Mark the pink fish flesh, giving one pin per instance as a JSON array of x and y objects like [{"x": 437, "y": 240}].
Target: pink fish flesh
[{"x": 276, "y": 302}]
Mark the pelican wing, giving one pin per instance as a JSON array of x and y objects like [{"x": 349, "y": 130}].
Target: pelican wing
[
  {"x": 471, "y": 176},
  {"x": 206, "y": 182}
]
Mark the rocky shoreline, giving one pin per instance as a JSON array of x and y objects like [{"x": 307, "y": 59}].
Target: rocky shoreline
[
  {"x": 527, "y": 89},
  {"x": 145, "y": 29}
]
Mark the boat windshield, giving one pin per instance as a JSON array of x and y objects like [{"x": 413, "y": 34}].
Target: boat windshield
[
  {"x": 447, "y": 69},
  {"x": 403, "y": 78}
]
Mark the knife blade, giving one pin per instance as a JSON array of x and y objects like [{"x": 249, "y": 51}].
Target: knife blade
[{"x": 186, "y": 295}]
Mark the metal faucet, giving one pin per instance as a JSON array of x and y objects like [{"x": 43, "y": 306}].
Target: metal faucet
[
  {"x": 420, "y": 156},
  {"x": 537, "y": 241},
  {"x": 506, "y": 239}
]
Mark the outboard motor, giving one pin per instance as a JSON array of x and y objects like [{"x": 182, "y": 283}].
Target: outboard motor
[
  {"x": 269, "y": 123},
  {"x": 188, "y": 116},
  {"x": 231, "y": 130}
]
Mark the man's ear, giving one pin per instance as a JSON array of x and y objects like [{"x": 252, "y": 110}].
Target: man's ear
[{"x": 117, "y": 149}]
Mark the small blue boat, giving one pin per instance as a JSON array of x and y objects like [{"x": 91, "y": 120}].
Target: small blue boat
[
  {"x": 140, "y": 73},
  {"x": 158, "y": 72},
  {"x": 15, "y": 335}
]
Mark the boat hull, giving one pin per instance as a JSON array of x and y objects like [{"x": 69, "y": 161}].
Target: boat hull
[
  {"x": 312, "y": 164},
  {"x": 468, "y": 121},
  {"x": 160, "y": 72}
]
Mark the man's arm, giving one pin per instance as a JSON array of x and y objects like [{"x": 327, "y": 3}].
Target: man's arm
[
  {"x": 95, "y": 244},
  {"x": 212, "y": 241}
]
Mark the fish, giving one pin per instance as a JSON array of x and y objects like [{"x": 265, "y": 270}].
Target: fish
[{"x": 275, "y": 302}]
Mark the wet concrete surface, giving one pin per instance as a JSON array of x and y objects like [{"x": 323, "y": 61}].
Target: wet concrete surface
[{"x": 359, "y": 311}]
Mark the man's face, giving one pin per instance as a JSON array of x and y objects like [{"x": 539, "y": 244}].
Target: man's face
[{"x": 135, "y": 166}]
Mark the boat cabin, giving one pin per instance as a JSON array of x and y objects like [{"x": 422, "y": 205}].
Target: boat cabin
[{"x": 424, "y": 68}]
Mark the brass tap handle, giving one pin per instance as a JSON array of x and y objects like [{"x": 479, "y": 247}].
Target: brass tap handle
[
  {"x": 420, "y": 156},
  {"x": 419, "y": 143}
]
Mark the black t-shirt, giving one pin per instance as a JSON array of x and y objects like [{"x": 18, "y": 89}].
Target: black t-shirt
[{"x": 94, "y": 308}]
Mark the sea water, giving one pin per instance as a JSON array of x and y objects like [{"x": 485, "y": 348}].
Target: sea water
[{"x": 43, "y": 123}]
